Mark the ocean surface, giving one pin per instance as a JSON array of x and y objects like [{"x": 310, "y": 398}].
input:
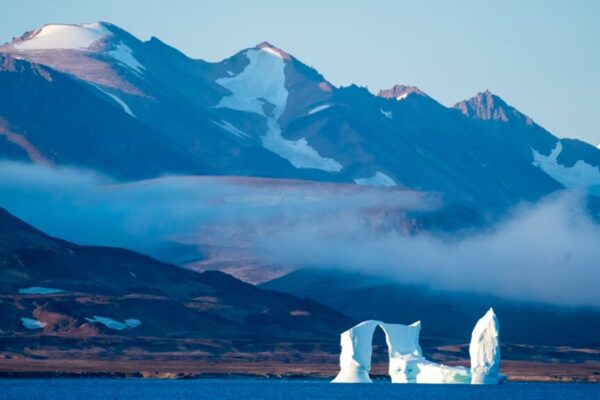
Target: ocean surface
[{"x": 225, "y": 389}]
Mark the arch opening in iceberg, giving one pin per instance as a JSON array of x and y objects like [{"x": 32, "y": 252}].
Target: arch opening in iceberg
[{"x": 406, "y": 361}]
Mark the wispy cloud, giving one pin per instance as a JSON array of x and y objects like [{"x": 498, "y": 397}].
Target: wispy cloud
[{"x": 544, "y": 252}]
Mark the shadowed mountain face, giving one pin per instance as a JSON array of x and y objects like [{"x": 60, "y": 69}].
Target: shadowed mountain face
[
  {"x": 264, "y": 113},
  {"x": 110, "y": 291},
  {"x": 444, "y": 315},
  {"x": 49, "y": 117}
]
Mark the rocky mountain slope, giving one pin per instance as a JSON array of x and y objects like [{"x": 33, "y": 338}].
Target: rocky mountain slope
[{"x": 55, "y": 289}]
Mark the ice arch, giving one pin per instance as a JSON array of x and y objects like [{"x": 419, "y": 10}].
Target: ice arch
[
  {"x": 406, "y": 361},
  {"x": 357, "y": 348}
]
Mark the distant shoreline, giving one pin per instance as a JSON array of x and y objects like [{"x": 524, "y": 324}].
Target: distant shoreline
[{"x": 517, "y": 371}]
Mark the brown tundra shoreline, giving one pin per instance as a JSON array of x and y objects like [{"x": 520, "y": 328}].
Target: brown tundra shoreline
[{"x": 517, "y": 371}]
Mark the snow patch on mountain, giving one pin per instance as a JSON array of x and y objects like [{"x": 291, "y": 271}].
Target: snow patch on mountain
[
  {"x": 580, "y": 175},
  {"x": 40, "y": 290},
  {"x": 298, "y": 152},
  {"x": 124, "y": 55},
  {"x": 64, "y": 36},
  {"x": 30, "y": 323},
  {"x": 272, "y": 51},
  {"x": 379, "y": 179},
  {"x": 232, "y": 129},
  {"x": 117, "y": 100},
  {"x": 113, "y": 324},
  {"x": 387, "y": 114},
  {"x": 319, "y": 108},
  {"x": 263, "y": 80}
]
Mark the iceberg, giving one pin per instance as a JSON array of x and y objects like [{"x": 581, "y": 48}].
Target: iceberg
[
  {"x": 403, "y": 350},
  {"x": 484, "y": 350},
  {"x": 355, "y": 357},
  {"x": 406, "y": 361},
  {"x": 431, "y": 372}
]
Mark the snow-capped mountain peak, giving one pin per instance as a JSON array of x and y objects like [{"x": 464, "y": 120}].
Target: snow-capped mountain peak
[
  {"x": 68, "y": 46},
  {"x": 260, "y": 88},
  {"x": 400, "y": 92},
  {"x": 269, "y": 48},
  {"x": 63, "y": 36}
]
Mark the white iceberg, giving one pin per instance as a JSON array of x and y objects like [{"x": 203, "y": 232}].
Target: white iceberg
[
  {"x": 430, "y": 372},
  {"x": 484, "y": 350},
  {"x": 406, "y": 361},
  {"x": 355, "y": 358},
  {"x": 403, "y": 348}
]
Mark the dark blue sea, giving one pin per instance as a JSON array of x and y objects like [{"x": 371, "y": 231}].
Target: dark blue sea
[{"x": 225, "y": 389}]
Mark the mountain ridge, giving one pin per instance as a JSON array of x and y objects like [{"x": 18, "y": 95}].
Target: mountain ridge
[{"x": 262, "y": 112}]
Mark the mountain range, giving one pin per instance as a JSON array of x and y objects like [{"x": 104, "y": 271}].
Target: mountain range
[
  {"x": 96, "y": 98},
  {"x": 137, "y": 109}
]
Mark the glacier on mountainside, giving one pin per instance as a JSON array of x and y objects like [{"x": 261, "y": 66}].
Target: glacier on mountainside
[
  {"x": 79, "y": 37},
  {"x": 406, "y": 361},
  {"x": 581, "y": 175},
  {"x": 262, "y": 82},
  {"x": 117, "y": 100},
  {"x": 379, "y": 179},
  {"x": 124, "y": 55}
]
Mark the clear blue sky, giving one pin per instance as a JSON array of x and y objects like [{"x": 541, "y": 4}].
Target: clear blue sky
[{"x": 541, "y": 56}]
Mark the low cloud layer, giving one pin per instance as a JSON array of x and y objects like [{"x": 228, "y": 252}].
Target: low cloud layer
[{"x": 547, "y": 252}]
